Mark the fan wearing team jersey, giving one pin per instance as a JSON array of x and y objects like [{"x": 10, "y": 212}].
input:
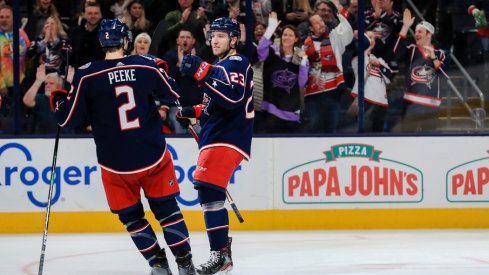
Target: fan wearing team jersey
[
  {"x": 118, "y": 96},
  {"x": 226, "y": 117},
  {"x": 424, "y": 63}
]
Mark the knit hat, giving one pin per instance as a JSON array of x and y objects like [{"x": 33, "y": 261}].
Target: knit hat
[{"x": 143, "y": 35}]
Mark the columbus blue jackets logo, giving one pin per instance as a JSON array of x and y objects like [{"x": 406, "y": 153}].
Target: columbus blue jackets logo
[
  {"x": 423, "y": 75},
  {"x": 382, "y": 31},
  {"x": 284, "y": 79}
]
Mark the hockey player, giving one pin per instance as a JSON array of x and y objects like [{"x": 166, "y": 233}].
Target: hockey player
[
  {"x": 118, "y": 96},
  {"x": 226, "y": 117}
]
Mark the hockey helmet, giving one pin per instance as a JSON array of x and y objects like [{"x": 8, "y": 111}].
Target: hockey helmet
[
  {"x": 226, "y": 24},
  {"x": 112, "y": 33}
]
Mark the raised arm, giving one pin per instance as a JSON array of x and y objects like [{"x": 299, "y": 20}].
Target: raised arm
[{"x": 30, "y": 96}]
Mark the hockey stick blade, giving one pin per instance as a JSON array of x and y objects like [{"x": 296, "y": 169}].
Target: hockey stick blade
[{"x": 236, "y": 211}]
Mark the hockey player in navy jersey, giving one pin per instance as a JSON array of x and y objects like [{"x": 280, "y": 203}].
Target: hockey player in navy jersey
[
  {"x": 226, "y": 117},
  {"x": 118, "y": 96}
]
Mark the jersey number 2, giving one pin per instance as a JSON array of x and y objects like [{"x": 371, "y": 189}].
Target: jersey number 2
[{"x": 124, "y": 121}]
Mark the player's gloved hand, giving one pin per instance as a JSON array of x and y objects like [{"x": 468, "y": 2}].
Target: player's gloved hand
[
  {"x": 184, "y": 122},
  {"x": 162, "y": 64},
  {"x": 193, "y": 65},
  {"x": 55, "y": 97},
  {"x": 190, "y": 111}
]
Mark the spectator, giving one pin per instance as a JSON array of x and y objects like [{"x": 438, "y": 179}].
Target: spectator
[
  {"x": 324, "y": 48},
  {"x": 292, "y": 11},
  {"x": 352, "y": 13},
  {"x": 482, "y": 26},
  {"x": 44, "y": 118},
  {"x": 424, "y": 71},
  {"x": 35, "y": 23},
  {"x": 261, "y": 9},
  {"x": 79, "y": 19},
  {"x": 287, "y": 67},
  {"x": 187, "y": 18},
  {"x": 259, "y": 31},
  {"x": 117, "y": 8},
  {"x": 141, "y": 44},
  {"x": 191, "y": 94},
  {"x": 257, "y": 66},
  {"x": 6, "y": 60},
  {"x": 386, "y": 24},
  {"x": 51, "y": 47},
  {"x": 377, "y": 75},
  {"x": 231, "y": 8},
  {"x": 135, "y": 18},
  {"x": 324, "y": 8},
  {"x": 84, "y": 39},
  {"x": 210, "y": 7}
]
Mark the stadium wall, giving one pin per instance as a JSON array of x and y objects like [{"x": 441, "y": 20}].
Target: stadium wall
[{"x": 289, "y": 184}]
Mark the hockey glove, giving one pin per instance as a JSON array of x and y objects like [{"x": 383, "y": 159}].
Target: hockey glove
[
  {"x": 193, "y": 65},
  {"x": 55, "y": 97},
  {"x": 190, "y": 111},
  {"x": 184, "y": 122},
  {"x": 162, "y": 64}
]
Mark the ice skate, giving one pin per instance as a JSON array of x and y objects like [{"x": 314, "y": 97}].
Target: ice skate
[
  {"x": 160, "y": 267},
  {"x": 219, "y": 262},
  {"x": 185, "y": 264}
]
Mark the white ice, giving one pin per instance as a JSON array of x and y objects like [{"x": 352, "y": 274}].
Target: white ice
[{"x": 420, "y": 252}]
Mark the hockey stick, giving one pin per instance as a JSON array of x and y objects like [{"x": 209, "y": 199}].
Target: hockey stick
[
  {"x": 48, "y": 208},
  {"x": 51, "y": 183},
  {"x": 228, "y": 196}
]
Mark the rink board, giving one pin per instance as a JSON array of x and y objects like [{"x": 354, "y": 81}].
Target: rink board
[{"x": 289, "y": 184}]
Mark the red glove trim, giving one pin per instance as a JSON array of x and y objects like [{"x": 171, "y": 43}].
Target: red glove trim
[
  {"x": 162, "y": 64},
  {"x": 55, "y": 97},
  {"x": 198, "y": 110},
  {"x": 202, "y": 71}
]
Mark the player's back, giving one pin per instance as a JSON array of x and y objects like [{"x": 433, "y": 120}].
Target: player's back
[{"x": 118, "y": 97}]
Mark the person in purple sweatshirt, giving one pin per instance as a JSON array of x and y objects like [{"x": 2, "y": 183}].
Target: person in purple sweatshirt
[{"x": 286, "y": 67}]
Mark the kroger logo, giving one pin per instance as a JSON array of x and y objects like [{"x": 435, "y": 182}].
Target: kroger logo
[{"x": 30, "y": 174}]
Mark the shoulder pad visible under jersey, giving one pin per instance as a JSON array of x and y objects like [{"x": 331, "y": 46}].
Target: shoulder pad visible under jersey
[{"x": 85, "y": 66}]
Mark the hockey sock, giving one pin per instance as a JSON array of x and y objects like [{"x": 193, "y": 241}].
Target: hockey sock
[
  {"x": 141, "y": 231},
  {"x": 215, "y": 216},
  {"x": 171, "y": 220}
]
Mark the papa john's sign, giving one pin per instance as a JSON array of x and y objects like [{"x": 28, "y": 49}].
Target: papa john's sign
[
  {"x": 469, "y": 182},
  {"x": 352, "y": 173}
]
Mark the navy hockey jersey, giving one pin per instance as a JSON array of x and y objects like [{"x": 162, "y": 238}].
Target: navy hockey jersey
[
  {"x": 118, "y": 98},
  {"x": 227, "y": 119},
  {"x": 422, "y": 76}
]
